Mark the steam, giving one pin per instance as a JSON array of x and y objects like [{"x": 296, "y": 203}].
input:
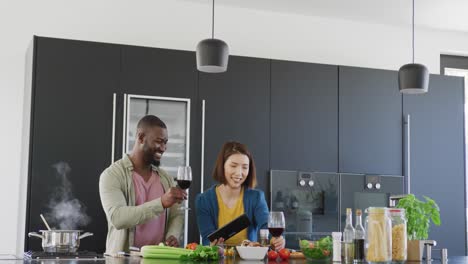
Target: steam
[{"x": 65, "y": 211}]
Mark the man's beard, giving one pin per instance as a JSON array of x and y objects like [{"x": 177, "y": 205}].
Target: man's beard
[
  {"x": 149, "y": 156},
  {"x": 155, "y": 163}
]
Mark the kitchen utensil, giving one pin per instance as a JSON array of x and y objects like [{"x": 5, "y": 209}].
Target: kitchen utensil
[
  {"x": 60, "y": 240},
  {"x": 45, "y": 222}
]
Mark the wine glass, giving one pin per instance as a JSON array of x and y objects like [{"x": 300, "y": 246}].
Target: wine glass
[
  {"x": 184, "y": 179},
  {"x": 276, "y": 223}
]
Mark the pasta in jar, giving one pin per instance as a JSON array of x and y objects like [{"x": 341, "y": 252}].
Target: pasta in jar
[
  {"x": 378, "y": 236},
  {"x": 399, "y": 238}
]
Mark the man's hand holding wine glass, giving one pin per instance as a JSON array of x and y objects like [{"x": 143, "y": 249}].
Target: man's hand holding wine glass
[{"x": 172, "y": 196}]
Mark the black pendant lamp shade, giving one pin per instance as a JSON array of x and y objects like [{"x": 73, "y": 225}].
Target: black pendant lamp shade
[
  {"x": 413, "y": 78},
  {"x": 212, "y": 55}
]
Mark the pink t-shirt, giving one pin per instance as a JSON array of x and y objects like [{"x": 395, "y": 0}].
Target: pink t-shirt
[{"x": 151, "y": 232}]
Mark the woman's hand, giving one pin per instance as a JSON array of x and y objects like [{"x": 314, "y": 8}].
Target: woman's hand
[
  {"x": 216, "y": 242},
  {"x": 278, "y": 243}
]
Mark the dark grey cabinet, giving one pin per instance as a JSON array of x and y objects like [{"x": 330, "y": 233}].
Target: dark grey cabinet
[
  {"x": 437, "y": 165},
  {"x": 304, "y": 116},
  {"x": 237, "y": 107},
  {"x": 356, "y": 195},
  {"x": 291, "y": 115},
  {"x": 158, "y": 72},
  {"x": 71, "y": 125},
  {"x": 370, "y": 122},
  {"x": 166, "y": 73}
]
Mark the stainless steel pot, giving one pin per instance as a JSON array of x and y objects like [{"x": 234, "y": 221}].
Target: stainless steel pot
[{"x": 60, "y": 240}]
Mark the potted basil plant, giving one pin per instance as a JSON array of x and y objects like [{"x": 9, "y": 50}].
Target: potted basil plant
[{"x": 420, "y": 215}]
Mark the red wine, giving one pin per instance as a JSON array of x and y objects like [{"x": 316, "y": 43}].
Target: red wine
[
  {"x": 183, "y": 184},
  {"x": 276, "y": 231}
]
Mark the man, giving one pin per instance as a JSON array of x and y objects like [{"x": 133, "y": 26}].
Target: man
[{"x": 139, "y": 198}]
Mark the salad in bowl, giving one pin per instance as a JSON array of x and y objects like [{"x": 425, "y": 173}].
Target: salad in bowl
[{"x": 320, "y": 250}]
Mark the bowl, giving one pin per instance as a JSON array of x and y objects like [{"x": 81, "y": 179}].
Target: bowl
[{"x": 252, "y": 253}]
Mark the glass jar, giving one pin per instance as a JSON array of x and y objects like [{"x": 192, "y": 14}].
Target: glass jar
[
  {"x": 378, "y": 242},
  {"x": 263, "y": 238},
  {"x": 399, "y": 237}
]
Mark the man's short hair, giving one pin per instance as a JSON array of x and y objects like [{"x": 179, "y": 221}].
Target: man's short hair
[{"x": 150, "y": 121}]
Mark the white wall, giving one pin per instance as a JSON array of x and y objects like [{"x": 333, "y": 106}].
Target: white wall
[{"x": 180, "y": 25}]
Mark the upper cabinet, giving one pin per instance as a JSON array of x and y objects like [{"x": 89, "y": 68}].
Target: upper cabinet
[
  {"x": 304, "y": 116},
  {"x": 370, "y": 121},
  {"x": 436, "y": 147},
  {"x": 237, "y": 107},
  {"x": 158, "y": 72}
]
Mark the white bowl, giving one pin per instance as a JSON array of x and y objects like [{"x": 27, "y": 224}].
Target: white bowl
[{"x": 252, "y": 253}]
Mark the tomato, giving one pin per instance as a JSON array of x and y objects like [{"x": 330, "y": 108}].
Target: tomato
[
  {"x": 192, "y": 246},
  {"x": 272, "y": 255},
  {"x": 326, "y": 252},
  {"x": 284, "y": 254}
]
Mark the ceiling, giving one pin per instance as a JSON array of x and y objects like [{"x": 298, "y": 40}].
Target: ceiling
[{"x": 449, "y": 15}]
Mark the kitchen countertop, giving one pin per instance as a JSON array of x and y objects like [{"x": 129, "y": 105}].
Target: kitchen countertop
[{"x": 137, "y": 260}]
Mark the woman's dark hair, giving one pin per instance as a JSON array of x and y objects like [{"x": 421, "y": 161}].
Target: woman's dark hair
[{"x": 228, "y": 149}]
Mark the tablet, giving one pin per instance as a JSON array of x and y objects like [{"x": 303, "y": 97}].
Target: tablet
[{"x": 231, "y": 228}]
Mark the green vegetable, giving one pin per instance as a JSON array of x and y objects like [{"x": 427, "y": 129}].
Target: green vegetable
[
  {"x": 158, "y": 261},
  {"x": 419, "y": 215},
  {"x": 202, "y": 253},
  {"x": 321, "y": 249},
  {"x": 304, "y": 244},
  {"x": 163, "y": 252},
  {"x": 162, "y": 256}
]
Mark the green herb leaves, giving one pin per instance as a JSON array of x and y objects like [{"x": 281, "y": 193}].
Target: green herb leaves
[
  {"x": 419, "y": 214},
  {"x": 202, "y": 253}
]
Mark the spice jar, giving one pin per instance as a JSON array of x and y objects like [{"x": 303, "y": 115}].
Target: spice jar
[
  {"x": 378, "y": 242},
  {"x": 336, "y": 246},
  {"x": 399, "y": 238}
]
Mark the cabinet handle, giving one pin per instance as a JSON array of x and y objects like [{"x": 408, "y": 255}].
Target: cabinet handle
[
  {"x": 202, "y": 167},
  {"x": 125, "y": 120},
  {"x": 114, "y": 101},
  {"x": 407, "y": 158}
]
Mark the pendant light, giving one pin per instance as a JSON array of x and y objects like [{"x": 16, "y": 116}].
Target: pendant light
[
  {"x": 413, "y": 78},
  {"x": 212, "y": 54}
]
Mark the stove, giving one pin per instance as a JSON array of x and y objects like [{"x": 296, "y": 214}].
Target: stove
[{"x": 90, "y": 255}]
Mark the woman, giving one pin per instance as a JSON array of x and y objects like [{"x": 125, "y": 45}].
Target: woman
[{"x": 235, "y": 195}]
